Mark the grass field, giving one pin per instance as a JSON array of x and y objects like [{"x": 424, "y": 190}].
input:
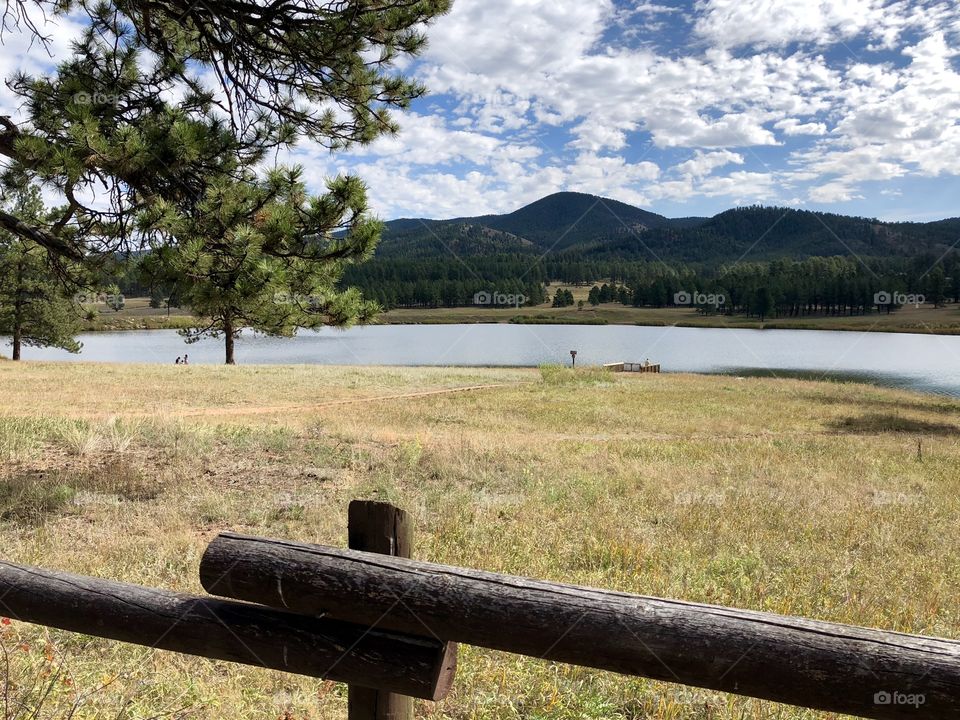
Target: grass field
[
  {"x": 789, "y": 496},
  {"x": 138, "y": 315},
  {"x": 923, "y": 319}
]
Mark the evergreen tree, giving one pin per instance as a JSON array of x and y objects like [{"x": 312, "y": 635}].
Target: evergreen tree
[
  {"x": 162, "y": 97},
  {"x": 34, "y": 308},
  {"x": 113, "y": 297},
  {"x": 763, "y": 302},
  {"x": 157, "y": 298},
  {"x": 936, "y": 288},
  {"x": 262, "y": 254},
  {"x": 563, "y": 298}
]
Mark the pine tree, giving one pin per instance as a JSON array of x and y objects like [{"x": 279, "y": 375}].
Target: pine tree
[
  {"x": 162, "y": 97},
  {"x": 563, "y": 298},
  {"x": 260, "y": 253},
  {"x": 763, "y": 302},
  {"x": 936, "y": 286},
  {"x": 34, "y": 308}
]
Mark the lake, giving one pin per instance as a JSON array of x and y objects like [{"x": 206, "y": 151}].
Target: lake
[{"x": 929, "y": 363}]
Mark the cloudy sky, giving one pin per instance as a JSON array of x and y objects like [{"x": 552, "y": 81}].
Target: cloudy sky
[{"x": 684, "y": 108}]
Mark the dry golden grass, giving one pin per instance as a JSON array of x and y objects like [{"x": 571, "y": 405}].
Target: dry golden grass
[
  {"x": 924, "y": 319},
  {"x": 168, "y": 391},
  {"x": 791, "y": 496}
]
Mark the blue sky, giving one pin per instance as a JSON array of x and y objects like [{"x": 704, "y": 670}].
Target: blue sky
[{"x": 683, "y": 108}]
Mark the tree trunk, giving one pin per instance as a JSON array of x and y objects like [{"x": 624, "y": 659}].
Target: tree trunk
[
  {"x": 18, "y": 310},
  {"x": 228, "y": 339}
]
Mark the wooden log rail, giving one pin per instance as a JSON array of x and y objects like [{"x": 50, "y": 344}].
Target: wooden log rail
[
  {"x": 227, "y": 630},
  {"x": 814, "y": 664}
]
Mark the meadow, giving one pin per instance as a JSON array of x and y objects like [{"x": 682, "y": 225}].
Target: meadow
[
  {"x": 138, "y": 315},
  {"x": 827, "y": 500},
  {"x": 914, "y": 319}
]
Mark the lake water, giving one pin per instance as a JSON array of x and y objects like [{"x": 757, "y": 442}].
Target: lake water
[{"x": 929, "y": 363}]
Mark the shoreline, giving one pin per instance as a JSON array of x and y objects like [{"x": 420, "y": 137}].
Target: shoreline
[
  {"x": 920, "y": 320},
  {"x": 823, "y": 324},
  {"x": 739, "y": 373}
]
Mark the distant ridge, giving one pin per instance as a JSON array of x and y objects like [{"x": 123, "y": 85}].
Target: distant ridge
[{"x": 583, "y": 225}]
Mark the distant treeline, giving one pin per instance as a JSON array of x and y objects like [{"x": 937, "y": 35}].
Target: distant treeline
[
  {"x": 448, "y": 282},
  {"x": 788, "y": 288},
  {"x": 776, "y": 288},
  {"x": 818, "y": 285}
]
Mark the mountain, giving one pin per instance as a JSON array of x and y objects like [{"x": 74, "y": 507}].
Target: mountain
[
  {"x": 567, "y": 218},
  {"x": 555, "y": 222},
  {"x": 578, "y": 225}
]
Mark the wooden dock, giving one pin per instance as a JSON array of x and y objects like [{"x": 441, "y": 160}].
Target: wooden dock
[{"x": 644, "y": 367}]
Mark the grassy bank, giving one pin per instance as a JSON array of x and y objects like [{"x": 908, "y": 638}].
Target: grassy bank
[
  {"x": 789, "y": 496},
  {"x": 138, "y": 315},
  {"x": 923, "y": 319}
]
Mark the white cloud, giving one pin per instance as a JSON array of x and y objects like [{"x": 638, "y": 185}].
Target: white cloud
[
  {"x": 478, "y": 43},
  {"x": 906, "y": 122},
  {"x": 792, "y": 126},
  {"x": 607, "y": 92},
  {"x": 702, "y": 163},
  {"x": 23, "y": 53},
  {"x": 428, "y": 140},
  {"x": 534, "y": 96},
  {"x": 766, "y": 23},
  {"x": 740, "y": 186},
  {"x": 833, "y": 192}
]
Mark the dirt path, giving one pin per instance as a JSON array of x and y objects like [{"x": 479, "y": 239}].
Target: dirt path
[{"x": 273, "y": 409}]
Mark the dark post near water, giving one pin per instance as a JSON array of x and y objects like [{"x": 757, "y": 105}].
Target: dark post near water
[
  {"x": 573, "y": 358},
  {"x": 380, "y": 528}
]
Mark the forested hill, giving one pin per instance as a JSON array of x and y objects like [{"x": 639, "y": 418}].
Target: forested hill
[
  {"x": 560, "y": 221},
  {"x": 593, "y": 228}
]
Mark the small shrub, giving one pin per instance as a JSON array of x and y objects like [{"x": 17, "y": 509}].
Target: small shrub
[
  {"x": 29, "y": 497},
  {"x": 120, "y": 478},
  {"x": 81, "y": 438},
  {"x": 559, "y": 375},
  {"x": 19, "y": 436}
]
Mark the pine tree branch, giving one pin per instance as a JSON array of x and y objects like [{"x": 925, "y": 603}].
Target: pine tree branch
[
  {"x": 8, "y": 136},
  {"x": 42, "y": 237}
]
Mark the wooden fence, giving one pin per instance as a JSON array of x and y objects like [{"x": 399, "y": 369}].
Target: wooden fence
[{"x": 398, "y": 618}]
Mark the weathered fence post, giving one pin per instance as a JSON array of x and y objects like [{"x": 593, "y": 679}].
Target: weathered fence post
[{"x": 381, "y": 528}]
